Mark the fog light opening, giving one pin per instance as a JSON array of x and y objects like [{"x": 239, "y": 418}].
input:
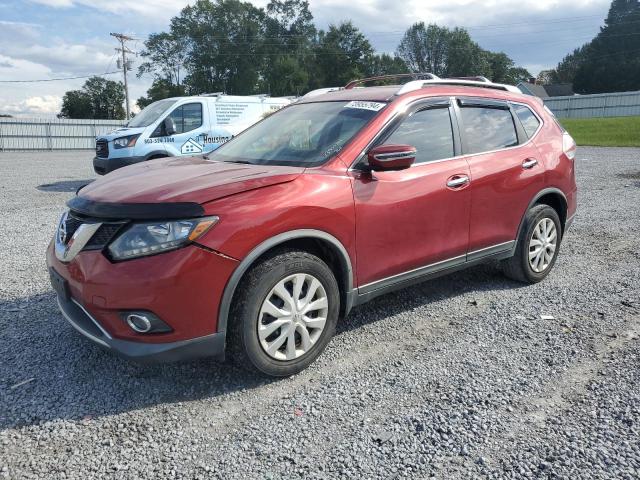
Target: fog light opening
[{"x": 139, "y": 323}]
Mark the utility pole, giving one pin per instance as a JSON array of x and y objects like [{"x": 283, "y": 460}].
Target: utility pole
[{"x": 122, "y": 38}]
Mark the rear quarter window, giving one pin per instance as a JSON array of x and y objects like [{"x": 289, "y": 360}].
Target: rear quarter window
[
  {"x": 529, "y": 121},
  {"x": 486, "y": 129}
]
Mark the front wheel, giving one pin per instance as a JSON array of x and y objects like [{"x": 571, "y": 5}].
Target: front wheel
[
  {"x": 538, "y": 246},
  {"x": 284, "y": 314}
]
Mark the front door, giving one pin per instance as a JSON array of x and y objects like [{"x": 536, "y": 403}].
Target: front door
[
  {"x": 410, "y": 220},
  {"x": 191, "y": 129}
]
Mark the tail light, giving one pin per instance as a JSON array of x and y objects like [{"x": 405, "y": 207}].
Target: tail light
[{"x": 568, "y": 146}]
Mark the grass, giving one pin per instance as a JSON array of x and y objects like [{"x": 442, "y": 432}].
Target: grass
[{"x": 604, "y": 132}]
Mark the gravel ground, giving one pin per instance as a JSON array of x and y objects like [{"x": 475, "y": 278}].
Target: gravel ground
[{"x": 456, "y": 378}]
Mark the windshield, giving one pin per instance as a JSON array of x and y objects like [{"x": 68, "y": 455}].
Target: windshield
[
  {"x": 303, "y": 135},
  {"x": 151, "y": 113}
]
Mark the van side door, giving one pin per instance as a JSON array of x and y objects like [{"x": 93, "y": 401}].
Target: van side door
[{"x": 190, "y": 124}]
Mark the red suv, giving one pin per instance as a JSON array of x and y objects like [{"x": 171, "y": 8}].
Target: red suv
[{"x": 260, "y": 247}]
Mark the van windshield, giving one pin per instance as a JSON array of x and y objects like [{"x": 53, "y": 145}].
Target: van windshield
[
  {"x": 304, "y": 135},
  {"x": 151, "y": 113}
]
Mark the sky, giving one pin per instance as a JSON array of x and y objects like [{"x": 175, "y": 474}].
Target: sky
[{"x": 49, "y": 39}]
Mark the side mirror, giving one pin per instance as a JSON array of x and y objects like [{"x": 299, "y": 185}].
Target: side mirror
[
  {"x": 391, "y": 157},
  {"x": 169, "y": 126}
]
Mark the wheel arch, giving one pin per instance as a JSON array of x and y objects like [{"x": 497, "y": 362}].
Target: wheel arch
[
  {"x": 555, "y": 198},
  {"x": 313, "y": 241},
  {"x": 156, "y": 154}
]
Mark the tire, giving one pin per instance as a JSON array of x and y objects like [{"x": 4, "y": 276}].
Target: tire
[
  {"x": 262, "y": 288},
  {"x": 519, "y": 267}
]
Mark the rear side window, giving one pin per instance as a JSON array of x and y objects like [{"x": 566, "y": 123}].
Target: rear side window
[
  {"x": 529, "y": 121},
  {"x": 429, "y": 131},
  {"x": 487, "y": 129},
  {"x": 187, "y": 117}
]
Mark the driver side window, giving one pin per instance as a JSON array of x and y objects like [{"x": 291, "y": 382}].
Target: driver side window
[
  {"x": 429, "y": 131},
  {"x": 187, "y": 117}
]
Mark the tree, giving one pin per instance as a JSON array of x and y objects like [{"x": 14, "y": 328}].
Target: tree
[
  {"x": 610, "y": 62},
  {"x": 223, "y": 41},
  {"x": 98, "y": 99},
  {"x": 464, "y": 57},
  {"x": 424, "y": 49},
  {"x": 165, "y": 55},
  {"x": 342, "y": 54},
  {"x": 160, "y": 89},
  {"x": 504, "y": 70},
  {"x": 566, "y": 70},
  {"x": 452, "y": 53},
  {"x": 385, "y": 64},
  {"x": 287, "y": 47}
]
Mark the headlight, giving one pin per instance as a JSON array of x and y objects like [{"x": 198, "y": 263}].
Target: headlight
[
  {"x": 141, "y": 239},
  {"x": 124, "y": 142}
]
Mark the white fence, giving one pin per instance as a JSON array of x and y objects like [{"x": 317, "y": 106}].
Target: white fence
[
  {"x": 599, "y": 105},
  {"x": 18, "y": 134}
]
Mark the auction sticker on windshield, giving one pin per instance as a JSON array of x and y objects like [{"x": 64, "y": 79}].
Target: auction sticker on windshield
[{"x": 375, "y": 106}]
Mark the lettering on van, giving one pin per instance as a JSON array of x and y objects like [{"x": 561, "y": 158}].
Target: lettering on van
[
  {"x": 228, "y": 112},
  {"x": 160, "y": 140},
  {"x": 206, "y": 138}
]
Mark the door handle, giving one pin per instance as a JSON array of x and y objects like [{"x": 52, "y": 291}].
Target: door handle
[
  {"x": 529, "y": 163},
  {"x": 457, "y": 181}
]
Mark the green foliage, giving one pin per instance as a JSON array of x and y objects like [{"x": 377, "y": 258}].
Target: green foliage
[
  {"x": 611, "y": 61},
  {"x": 452, "y": 53},
  {"x": 99, "y": 98},
  {"x": 343, "y": 53},
  {"x": 604, "y": 132},
  {"x": 234, "y": 47},
  {"x": 165, "y": 55},
  {"x": 160, "y": 89}
]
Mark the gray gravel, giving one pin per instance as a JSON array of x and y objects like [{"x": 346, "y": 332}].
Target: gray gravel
[{"x": 455, "y": 378}]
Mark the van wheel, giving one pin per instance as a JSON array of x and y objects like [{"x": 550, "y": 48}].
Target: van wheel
[
  {"x": 284, "y": 313},
  {"x": 537, "y": 248}
]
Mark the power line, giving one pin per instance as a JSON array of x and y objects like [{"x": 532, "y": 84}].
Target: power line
[{"x": 59, "y": 79}]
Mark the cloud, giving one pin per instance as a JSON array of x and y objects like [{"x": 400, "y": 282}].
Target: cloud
[
  {"x": 157, "y": 9},
  {"x": 46, "y": 105}
]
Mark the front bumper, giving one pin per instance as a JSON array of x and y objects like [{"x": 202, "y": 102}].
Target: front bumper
[
  {"x": 102, "y": 166},
  {"x": 182, "y": 287},
  {"x": 83, "y": 322}
]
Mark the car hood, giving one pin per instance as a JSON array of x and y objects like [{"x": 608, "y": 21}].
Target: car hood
[
  {"x": 122, "y": 132},
  {"x": 191, "y": 179}
]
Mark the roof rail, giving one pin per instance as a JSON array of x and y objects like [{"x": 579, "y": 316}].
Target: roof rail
[
  {"x": 321, "y": 91},
  {"x": 353, "y": 83},
  {"x": 214, "y": 94},
  {"x": 477, "y": 78},
  {"x": 418, "y": 84}
]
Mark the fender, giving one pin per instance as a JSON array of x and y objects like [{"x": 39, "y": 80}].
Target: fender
[
  {"x": 537, "y": 197},
  {"x": 245, "y": 264}
]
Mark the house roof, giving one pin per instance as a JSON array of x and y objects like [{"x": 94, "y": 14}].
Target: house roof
[
  {"x": 533, "y": 89},
  {"x": 559, "y": 89},
  {"x": 546, "y": 91}
]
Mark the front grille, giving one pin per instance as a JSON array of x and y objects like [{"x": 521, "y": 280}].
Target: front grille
[
  {"x": 102, "y": 237},
  {"x": 72, "y": 224},
  {"x": 102, "y": 148}
]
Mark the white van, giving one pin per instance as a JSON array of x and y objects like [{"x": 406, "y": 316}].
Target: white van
[{"x": 181, "y": 126}]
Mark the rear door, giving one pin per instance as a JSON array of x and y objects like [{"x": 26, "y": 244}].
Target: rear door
[{"x": 506, "y": 172}]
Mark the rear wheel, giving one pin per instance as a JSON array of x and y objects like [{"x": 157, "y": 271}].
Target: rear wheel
[
  {"x": 537, "y": 247},
  {"x": 284, "y": 314}
]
